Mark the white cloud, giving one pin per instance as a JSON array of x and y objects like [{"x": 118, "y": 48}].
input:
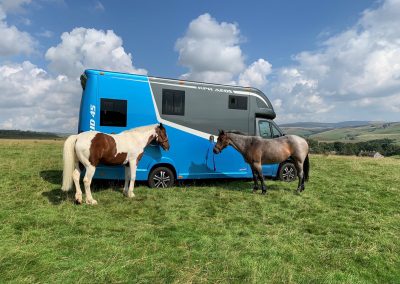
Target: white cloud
[
  {"x": 211, "y": 50},
  {"x": 35, "y": 99},
  {"x": 84, "y": 48},
  {"x": 13, "y": 6},
  {"x": 45, "y": 33},
  {"x": 256, "y": 74},
  {"x": 32, "y": 99},
  {"x": 351, "y": 70},
  {"x": 13, "y": 41},
  {"x": 296, "y": 97}
]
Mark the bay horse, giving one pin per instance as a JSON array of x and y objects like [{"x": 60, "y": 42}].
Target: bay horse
[
  {"x": 92, "y": 147},
  {"x": 257, "y": 151}
]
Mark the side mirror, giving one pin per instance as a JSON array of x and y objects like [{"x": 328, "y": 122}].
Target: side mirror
[{"x": 211, "y": 139}]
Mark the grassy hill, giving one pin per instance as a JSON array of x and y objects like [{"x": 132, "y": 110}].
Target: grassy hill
[
  {"x": 343, "y": 228},
  {"x": 362, "y": 133},
  {"x": 372, "y": 131}
]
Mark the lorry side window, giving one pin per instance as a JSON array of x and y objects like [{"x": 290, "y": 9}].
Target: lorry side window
[
  {"x": 237, "y": 102},
  {"x": 265, "y": 129},
  {"x": 113, "y": 112},
  {"x": 173, "y": 102},
  {"x": 275, "y": 131}
]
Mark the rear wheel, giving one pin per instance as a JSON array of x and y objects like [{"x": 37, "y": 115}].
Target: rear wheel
[
  {"x": 287, "y": 172},
  {"x": 161, "y": 177}
]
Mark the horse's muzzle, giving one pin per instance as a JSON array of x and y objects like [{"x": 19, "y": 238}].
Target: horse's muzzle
[{"x": 216, "y": 150}]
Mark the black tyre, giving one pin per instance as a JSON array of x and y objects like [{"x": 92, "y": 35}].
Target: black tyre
[
  {"x": 161, "y": 177},
  {"x": 287, "y": 172}
]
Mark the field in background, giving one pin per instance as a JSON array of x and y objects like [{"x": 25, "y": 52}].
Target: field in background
[
  {"x": 344, "y": 228},
  {"x": 372, "y": 131}
]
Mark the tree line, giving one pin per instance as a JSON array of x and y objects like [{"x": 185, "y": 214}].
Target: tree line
[
  {"x": 386, "y": 147},
  {"x": 19, "y": 134}
]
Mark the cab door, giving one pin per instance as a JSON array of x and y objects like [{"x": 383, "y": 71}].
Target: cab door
[{"x": 266, "y": 128}]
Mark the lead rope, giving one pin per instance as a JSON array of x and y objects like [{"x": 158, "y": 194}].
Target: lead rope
[{"x": 213, "y": 155}]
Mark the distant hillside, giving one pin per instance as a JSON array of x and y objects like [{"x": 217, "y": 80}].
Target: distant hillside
[
  {"x": 360, "y": 131},
  {"x": 325, "y": 125},
  {"x": 19, "y": 134}
]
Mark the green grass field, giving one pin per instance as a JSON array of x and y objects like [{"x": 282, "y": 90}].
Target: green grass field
[{"x": 344, "y": 228}]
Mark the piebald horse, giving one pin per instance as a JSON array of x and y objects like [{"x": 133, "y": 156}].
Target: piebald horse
[
  {"x": 257, "y": 151},
  {"x": 92, "y": 147}
]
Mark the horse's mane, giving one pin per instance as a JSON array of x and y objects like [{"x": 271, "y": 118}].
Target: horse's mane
[
  {"x": 236, "y": 132},
  {"x": 142, "y": 128}
]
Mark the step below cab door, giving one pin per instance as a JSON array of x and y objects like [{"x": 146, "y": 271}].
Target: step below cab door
[{"x": 268, "y": 129}]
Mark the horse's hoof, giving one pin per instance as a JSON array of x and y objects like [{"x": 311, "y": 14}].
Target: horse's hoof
[
  {"x": 263, "y": 192},
  {"x": 91, "y": 202},
  {"x": 78, "y": 201},
  {"x": 255, "y": 190}
]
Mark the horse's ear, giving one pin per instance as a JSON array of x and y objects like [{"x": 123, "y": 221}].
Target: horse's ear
[
  {"x": 221, "y": 132},
  {"x": 161, "y": 126}
]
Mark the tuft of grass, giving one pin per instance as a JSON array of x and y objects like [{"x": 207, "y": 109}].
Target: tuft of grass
[{"x": 343, "y": 228}]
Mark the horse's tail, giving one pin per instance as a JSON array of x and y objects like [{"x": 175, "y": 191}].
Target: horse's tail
[
  {"x": 69, "y": 162},
  {"x": 306, "y": 168}
]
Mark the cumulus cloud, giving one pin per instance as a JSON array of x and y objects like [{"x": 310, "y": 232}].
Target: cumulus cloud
[
  {"x": 13, "y": 41},
  {"x": 212, "y": 52},
  {"x": 256, "y": 74},
  {"x": 350, "y": 70},
  {"x": 84, "y": 48},
  {"x": 33, "y": 99}
]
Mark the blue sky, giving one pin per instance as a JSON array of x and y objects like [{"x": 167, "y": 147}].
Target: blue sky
[{"x": 316, "y": 60}]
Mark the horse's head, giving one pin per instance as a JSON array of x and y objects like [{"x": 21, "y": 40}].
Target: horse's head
[
  {"x": 222, "y": 142},
  {"x": 162, "y": 138}
]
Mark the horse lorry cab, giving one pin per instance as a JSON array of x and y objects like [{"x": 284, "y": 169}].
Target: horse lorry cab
[{"x": 191, "y": 112}]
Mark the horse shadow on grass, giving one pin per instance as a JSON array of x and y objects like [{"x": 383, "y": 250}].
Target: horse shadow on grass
[
  {"x": 56, "y": 196},
  {"x": 230, "y": 184},
  {"x": 223, "y": 181}
]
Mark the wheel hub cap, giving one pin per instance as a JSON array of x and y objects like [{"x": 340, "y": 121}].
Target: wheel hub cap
[{"x": 161, "y": 179}]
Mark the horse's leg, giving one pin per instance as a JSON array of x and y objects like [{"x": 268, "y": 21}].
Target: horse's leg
[
  {"x": 132, "y": 166},
  {"x": 258, "y": 169},
  {"x": 127, "y": 178},
  {"x": 255, "y": 188},
  {"x": 300, "y": 174},
  {"x": 87, "y": 180},
  {"x": 76, "y": 176}
]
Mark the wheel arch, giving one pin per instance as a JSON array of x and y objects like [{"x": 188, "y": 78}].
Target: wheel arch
[{"x": 288, "y": 160}]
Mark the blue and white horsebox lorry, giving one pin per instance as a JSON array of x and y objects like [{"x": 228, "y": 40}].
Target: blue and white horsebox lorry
[{"x": 191, "y": 112}]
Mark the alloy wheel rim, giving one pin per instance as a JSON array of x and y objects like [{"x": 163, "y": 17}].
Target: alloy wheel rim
[
  {"x": 161, "y": 179},
  {"x": 288, "y": 174}
]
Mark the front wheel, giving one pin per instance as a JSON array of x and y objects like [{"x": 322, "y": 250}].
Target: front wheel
[
  {"x": 287, "y": 172},
  {"x": 161, "y": 177}
]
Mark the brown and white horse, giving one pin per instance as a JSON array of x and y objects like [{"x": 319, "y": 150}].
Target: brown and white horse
[
  {"x": 257, "y": 151},
  {"x": 92, "y": 147}
]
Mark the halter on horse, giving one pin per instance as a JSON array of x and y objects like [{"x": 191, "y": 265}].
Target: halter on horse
[
  {"x": 92, "y": 147},
  {"x": 257, "y": 151}
]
